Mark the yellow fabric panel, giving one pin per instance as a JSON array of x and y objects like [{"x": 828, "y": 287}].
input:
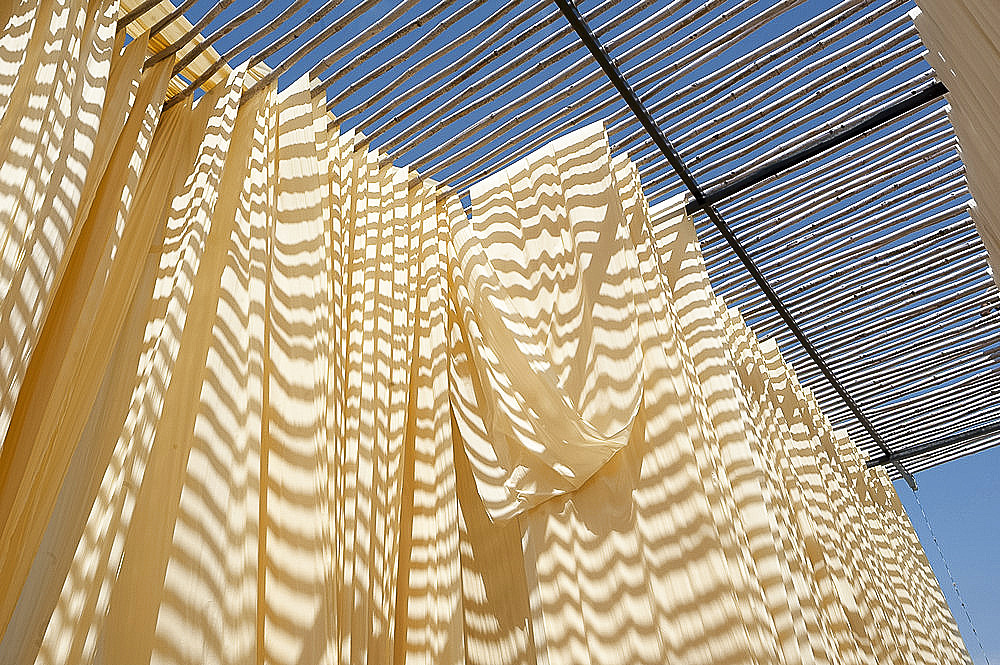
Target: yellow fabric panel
[
  {"x": 854, "y": 610},
  {"x": 57, "y": 394},
  {"x": 554, "y": 382},
  {"x": 841, "y": 601},
  {"x": 327, "y": 172},
  {"x": 801, "y": 596},
  {"x": 18, "y": 19},
  {"x": 741, "y": 463},
  {"x": 347, "y": 460},
  {"x": 768, "y": 440},
  {"x": 863, "y": 586},
  {"x": 126, "y": 318},
  {"x": 362, "y": 404},
  {"x": 872, "y": 549},
  {"x": 209, "y": 581},
  {"x": 717, "y": 470},
  {"x": 160, "y": 417},
  {"x": 297, "y": 586},
  {"x": 428, "y": 612},
  {"x": 48, "y": 130},
  {"x": 602, "y": 549},
  {"x": 496, "y": 612},
  {"x": 113, "y": 558}
]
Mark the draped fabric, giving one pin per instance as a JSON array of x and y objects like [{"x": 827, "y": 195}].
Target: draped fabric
[
  {"x": 963, "y": 41},
  {"x": 271, "y": 398},
  {"x": 56, "y": 58},
  {"x": 549, "y": 316}
]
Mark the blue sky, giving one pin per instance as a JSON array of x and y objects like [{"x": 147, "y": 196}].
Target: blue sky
[{"x": 960, "y": 498}]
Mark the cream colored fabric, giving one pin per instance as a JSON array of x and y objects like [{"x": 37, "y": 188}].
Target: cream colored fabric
[
  {"x": 56, "y": 58},
  {"x": 963, "y": 47},
  {"x": 552, "y": 382},
  {"x": 283, "y": 402},
  {"x": 87, "y": 311},
  {"x": 716, "y": 534}
]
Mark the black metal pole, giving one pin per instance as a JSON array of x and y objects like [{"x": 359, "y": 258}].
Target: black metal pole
[
  {"x": 912, "y": 100},
  {"x": 937, "y": 444},
  {"x": 649, "y": 124}
]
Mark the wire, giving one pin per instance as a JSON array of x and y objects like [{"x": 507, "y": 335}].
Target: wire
[{"x": 951, "y": 577}]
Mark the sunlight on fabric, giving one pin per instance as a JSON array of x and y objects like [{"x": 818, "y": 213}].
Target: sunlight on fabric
[{"x": 271, "y": 398}]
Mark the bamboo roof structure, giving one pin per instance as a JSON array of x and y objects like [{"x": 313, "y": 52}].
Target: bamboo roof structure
[{"x": 817, "y": 131}]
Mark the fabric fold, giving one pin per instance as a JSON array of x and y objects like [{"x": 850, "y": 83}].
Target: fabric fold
[{"x": 547, "y": 371}]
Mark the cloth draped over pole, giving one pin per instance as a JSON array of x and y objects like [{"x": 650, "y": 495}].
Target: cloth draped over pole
[
  {"x": 269, "y": 398},
  {"x": 963, "y": 41}
]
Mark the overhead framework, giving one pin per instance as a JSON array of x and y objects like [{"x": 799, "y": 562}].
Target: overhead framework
[
  {"x": 914, "y": 100},
  {"x": 702, "y": 202},
  {"x": 813, "y": 139}
]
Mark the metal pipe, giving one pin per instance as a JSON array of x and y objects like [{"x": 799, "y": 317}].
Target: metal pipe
[
  {"x": 912, "y": 101},
  {"x": 950, "y": 440}
]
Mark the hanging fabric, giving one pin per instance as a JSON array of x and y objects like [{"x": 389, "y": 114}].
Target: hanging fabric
[
  {"x": 55, "y": 57},
  {"x": 270, "y": 398}
]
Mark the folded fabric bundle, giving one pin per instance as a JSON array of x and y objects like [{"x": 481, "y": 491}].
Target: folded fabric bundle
[{"x": 270, "y": 398}]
